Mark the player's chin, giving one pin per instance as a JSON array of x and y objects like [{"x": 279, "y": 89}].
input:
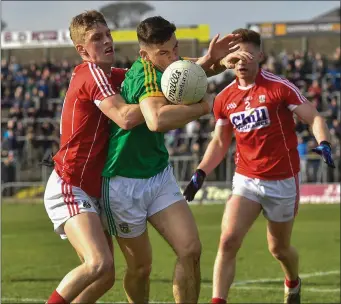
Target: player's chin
[{"x": 108, "y": 58}]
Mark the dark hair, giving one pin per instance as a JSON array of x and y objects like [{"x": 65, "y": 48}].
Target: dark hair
[
  {"x": 155, "y": 30},
  {"x": 249, "y": 36}
]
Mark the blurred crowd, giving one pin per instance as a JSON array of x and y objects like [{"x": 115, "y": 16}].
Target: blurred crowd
[{"x": 32, "y": 96}]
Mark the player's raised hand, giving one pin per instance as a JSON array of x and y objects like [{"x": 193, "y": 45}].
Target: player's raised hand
[
  {"x": 194, "y": 185},
  {"x": 324, "y": 149},
  {"x": 231, "y": 59},
  {"x": 219, "y": 48}
]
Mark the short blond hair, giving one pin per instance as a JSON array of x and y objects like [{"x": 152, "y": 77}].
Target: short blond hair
[{"x": 83, "y": 22}]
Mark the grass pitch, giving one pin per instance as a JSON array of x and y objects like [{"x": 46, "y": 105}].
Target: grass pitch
[{"x": 35, "y": 259}]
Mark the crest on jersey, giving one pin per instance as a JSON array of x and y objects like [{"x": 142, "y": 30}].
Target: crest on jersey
[
  {"x": 124, "y": 227},
  {"x": 231, "y": 105},
  {"x": 261, "y": 98}
]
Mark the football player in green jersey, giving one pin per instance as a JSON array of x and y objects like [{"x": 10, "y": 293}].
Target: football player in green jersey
[{"x": 138, "y": 182}]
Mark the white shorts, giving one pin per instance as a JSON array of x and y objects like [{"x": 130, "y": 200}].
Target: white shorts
[
  {"x": 279, "y": 199},
  {"x": 129, "y": 202},
  {"x": 63, "y": 201}
]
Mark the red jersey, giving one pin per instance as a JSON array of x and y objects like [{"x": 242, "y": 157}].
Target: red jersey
[
  {"x": 84, "y": 129},
  {"x": 262, "y": 118}
]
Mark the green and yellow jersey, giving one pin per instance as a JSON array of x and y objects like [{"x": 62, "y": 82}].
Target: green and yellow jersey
[{"x": 139, "y": 152}]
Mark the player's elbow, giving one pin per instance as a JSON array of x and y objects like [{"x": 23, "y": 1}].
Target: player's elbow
[
  {"x": 156, "y": 125},
  {"x": 153, "y": 126},
  {"x": 127, "y": 124},
  {"x": 127, "y": 121}
]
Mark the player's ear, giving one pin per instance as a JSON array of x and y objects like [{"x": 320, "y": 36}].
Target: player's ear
[
  {"x": 261, "y": 56},
  {"x": 144, "y": 54},
  {"x": 81, "y": 50}
]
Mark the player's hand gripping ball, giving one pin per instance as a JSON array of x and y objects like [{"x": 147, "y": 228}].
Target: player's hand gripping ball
[{"x": 184, "y": 82}]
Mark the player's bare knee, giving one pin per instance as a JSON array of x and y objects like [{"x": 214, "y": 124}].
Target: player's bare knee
[
  {"x": 191, "y": 250},
  {"x": 141, "y": 272},
  {"x": 279, "y": 252},
  {"x": 100, "y": 267},
  {"x": 230, "y": 243}
]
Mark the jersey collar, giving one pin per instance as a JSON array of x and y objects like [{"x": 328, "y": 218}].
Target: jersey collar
[{"x": 257, "y": 81}]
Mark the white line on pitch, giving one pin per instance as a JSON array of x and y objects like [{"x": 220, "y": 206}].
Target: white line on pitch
[
  {"x": 270, "y": 280},
  {"x": 276, "y": 288},
  {"x": 236, "y": 285}
]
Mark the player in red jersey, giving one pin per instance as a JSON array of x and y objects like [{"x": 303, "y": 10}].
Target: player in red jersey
[
  {"x": 74, "y": 187},
  {"x": 259, "y": 107}
]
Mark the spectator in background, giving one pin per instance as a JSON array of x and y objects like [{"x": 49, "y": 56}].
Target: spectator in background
[
  {"x": 192, "y": 130},
  {"x": 43, "y": 87},
  {"x": 18, "y": 100},
  {"x": 10, "y": 127},
  {"x": 10, "y": 141},
  {"x": 58, "y": 112},
  {"x": 317, "y": 65},
  {"x": 53, "y": 87},
  {"x": 42, "y": 100},
  {"x": 313, "y": 162},
  {"x": 328, "y": 87},
  {"x": 28, "y": 148},
  {"x": 35, "y": 98},
  {"x": 4, "y": 67},
  {"x": 20, "y": 78},
  {"x": 315, "y": 90},
  {"x": 303, "y": 151},
  {"x": 6, "y": 101},
  {"x": 14, "y": 66},
  {"x": 173, "y": 141},
  {"x": 30, "y": 85},
  {"x": 316, "y": 103},
  {"x": 336, "y": 128},
  {"x": 8, "y": 171},
  {"x": 15, "y": 113},
  {"x": 20, "y": 133},
  {"x": 270, "y": 64},
  {"x": 27, "y": 104},
  {"x": 333, "y": 111}
]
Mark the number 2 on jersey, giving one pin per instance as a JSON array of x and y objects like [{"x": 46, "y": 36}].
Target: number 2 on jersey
[{"x": 247, "y": 105}]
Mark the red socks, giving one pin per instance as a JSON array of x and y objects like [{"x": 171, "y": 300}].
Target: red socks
[
  {"x": 218, "y": 301},
  {"x": 56, "y": 298},
  {"x": 292, "y": 284}
]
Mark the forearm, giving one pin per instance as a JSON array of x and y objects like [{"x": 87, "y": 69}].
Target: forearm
[
  {"x": 320, "y": 129},
  {"x": 170, "y": 117},
  {"x": 215, "y": 69},
  {"x": 211, "y": 68},
  {"x": 214, "y": 155},
  {"x": 129, "y": 116},
  {"x": 207, "y": 64}
]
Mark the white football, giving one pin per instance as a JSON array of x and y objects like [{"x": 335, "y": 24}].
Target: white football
[{"x": 184, "y": 82}]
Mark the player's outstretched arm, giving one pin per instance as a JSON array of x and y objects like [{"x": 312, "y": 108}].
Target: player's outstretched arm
[
  {"x": 213, "y": 156},
  {"x": 309, "y": 114},
  {"x": 160, "y": 116},
  {"x": 126, "y": 116}
]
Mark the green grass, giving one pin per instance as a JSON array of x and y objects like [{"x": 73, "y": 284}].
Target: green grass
[{"x": 34, "y": 259}]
